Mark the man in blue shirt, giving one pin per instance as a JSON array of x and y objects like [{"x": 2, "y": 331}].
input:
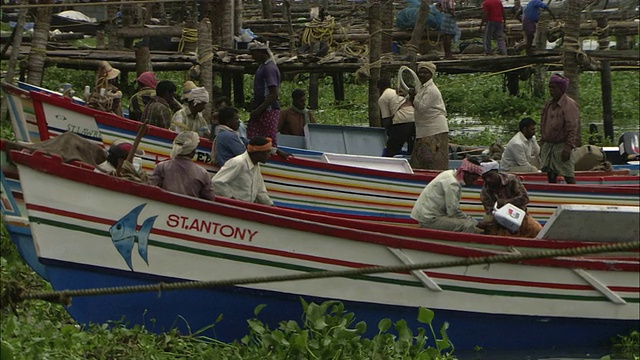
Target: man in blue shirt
[
  {"x": 228, "y": 143},
  {"x": 530, "y": 20}
]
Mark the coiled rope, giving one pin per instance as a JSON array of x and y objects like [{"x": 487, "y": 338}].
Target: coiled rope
[
  {"x": 189, "y": 35},
  {"x": 317, "y": 30},
  {"x": 64, "y": 297}
]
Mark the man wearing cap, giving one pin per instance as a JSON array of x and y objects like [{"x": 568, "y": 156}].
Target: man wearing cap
[
  {"x": 240, "y": 177},
  {"x": 522, "y": 151},
  {"x": 180, "y": 174},
  {"x": 265, "y": 108},
  {"x": 559, "y": 132},
  {"x": 146, "y": 90},
  {"x": 190, "y": 118},
  {"x": 431, "y": 149},
  {"x": 117, "y": 153},
  {"x": 158, "y": 112},
  {"x": 110, "y": 100},
  {"x": 500, "y": 189},
  {"x": 397, "y": 117},
  {"x": 438, "y": 206}
]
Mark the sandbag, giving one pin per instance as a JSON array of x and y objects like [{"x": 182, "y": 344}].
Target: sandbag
[{"x": 587, "y": 157}]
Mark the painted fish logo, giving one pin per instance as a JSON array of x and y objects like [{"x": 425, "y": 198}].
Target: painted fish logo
[{"x": 124, "y": 234}]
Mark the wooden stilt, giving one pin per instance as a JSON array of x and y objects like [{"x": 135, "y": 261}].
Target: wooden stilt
[
  {"x": 314, "y": 80},
  {"x": 338, "y": 86},
  {"x": 605, "y": 81},
  {"x": 374, "y": 65},
  {"x": 238, "y": 89}
]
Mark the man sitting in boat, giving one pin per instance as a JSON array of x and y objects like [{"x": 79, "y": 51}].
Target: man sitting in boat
[
  {"x": 240, "y": 177},
  {"x": 228, "y": 144},
  {"x": 293, "y": 119},
  {"x": 158, "y": 112},
  {"x": 116, "y": 155},
  {"x": 505, "y": 189},
  {"x": 438, "y": 206},
  {"x": 145, "y": 91},
  {"x": 522, "y": 151},
  {"x": 190, "y": 118},
  {"x": 180, "y": 174}
]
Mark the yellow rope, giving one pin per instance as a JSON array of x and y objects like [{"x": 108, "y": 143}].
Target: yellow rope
[
  {"x": 494, "y": 73},
  {"x": 188, "y": 35},
  {"x": 318, "y": 30}
]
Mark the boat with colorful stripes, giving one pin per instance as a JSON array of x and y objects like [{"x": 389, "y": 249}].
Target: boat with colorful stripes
[{"x": 555, "y": 303}]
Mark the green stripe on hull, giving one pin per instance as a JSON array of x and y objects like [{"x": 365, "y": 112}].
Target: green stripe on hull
[{"x": 281, "y": 265}]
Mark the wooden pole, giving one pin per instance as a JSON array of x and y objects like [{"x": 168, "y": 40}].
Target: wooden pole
[
  {"x": 539, "y": 83},
  {"x": 205, "y": 57},
  {"x": 38, "y": 53},
  {"x": 314, "y": 82},
  {"x": 374, "y": 62},
  {"x": 238, "y": 89},
  {"x": 571, "y": 49},
  {"x": 266, "y": 9},
  {"x": 111, "y": 28},
  {"x": 225, "y": 78},
  {"x": 292, "y": 39},
  {"x": 605, "y": 81},
  {"x": 416, "y": 34},
  {"x": 387, "y": 21},
  {"x": 15, "y": 45},
  {"x": 143, "y": 57},
  {"x": 226, "y": 21},
  {"x": 338, "y": 86}
]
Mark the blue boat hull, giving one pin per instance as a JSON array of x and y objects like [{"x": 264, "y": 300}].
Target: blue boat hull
[{"x": 191, "y": 310}]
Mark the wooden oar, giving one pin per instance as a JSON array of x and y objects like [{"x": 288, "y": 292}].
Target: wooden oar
[{"x": 142, "y": 131}]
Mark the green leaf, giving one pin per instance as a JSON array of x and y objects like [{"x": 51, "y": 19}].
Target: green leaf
[
  {"x": 10, "y": 324},
  {"x": 6, "y": 351},
  {"x": 258, "y": 308},
  {"x": 425, "y": 315},
  {"x": 384, "y": 325},
  {"x": 256, "y": 326},
  {"x": 361, "y": 327},
  {"x": 404, "y": 333}
]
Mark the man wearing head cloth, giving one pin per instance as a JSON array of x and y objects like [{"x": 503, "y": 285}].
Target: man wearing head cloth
[
  {"x": 438, "y": 206},
  {"x": 190, "y": 118},
  {"x": 431, "y": 149},
  {"x": 180, "y": 174},
  {"x": 265, "y": 108},
  {"x": 145, "y": 91},
  {"x": 505, "y": 189},
  {"x": 240, "y": 177},
  {"x": 559, "y": 132}
]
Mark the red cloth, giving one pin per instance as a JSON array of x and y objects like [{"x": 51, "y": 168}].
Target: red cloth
[{"x": 493, "y": 10}]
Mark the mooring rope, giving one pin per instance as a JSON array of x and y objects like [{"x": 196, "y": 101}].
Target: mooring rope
[{"x": 64, "y": 297}]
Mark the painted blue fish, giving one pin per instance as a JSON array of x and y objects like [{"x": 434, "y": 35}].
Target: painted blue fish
[{"x": 124, "y": 234}]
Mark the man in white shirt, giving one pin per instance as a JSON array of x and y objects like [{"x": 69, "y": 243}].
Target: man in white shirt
[
  {"x": 190, "y": 117},
  {"x": 522, "y": 151},
  {"x": 438, "y": 206},
  {"x": 397, "y": 117},
  {"x": 240, "y": 177}
]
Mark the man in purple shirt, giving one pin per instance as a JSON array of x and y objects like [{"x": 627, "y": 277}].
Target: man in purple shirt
[
  {"x": 530, "y": 20},
  {"x": 265, "y": 109}
]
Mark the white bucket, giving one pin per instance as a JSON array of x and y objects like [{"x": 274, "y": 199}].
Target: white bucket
[{"x": 509, "y": 216}]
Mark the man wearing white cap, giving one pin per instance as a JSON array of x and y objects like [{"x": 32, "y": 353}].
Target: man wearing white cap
[
  {"x": 431, "y": 149},
  {"x": 438, "y": 206},
  {"x": 190, "y": 118},
  {"x": 180, "y": 174},
  {"x": 265, "y": 108},
  {"x": 505, "y": 189}
]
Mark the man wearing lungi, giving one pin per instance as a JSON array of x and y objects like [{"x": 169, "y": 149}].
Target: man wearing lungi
[{"x": 265, "y": 109}]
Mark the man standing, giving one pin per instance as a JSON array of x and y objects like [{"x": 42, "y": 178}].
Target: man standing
[
  {"x": 190, "y": 118},
  {"x": 146, "y": 90},
  {"x": 397, "y": 117},
  {"x": 240, "y": 177},
  {"x": 265, "y": 108},
  {"x": 522, "y": 151},
  {"x": 505, "y": 189},
  {"x": 431, "y": 149},
  {"x": 158, "y": 112},
  {"x": 293, "y": 119},
  {"x": 438, "y": 206},
  {"x": 559, "y": 131},
  {"x": 493, "y": 16},
  {"x": 531, "y": 15},
  {"x": 180, "y": 174},
  {"x": 449, "y": 27}
]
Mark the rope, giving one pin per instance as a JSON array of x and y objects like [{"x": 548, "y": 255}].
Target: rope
[
  {"x": 318, "y": 30},
  {"x": 494, "y": 73},
  {"x": 64, "y": 297},
  {"x": 600, "y": 31},
  {"x": 188, "y": 35},
  {"x": 572, "y": 44}
]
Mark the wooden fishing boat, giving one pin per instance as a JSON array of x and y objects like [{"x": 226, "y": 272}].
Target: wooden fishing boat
[
  {"x": 531, "y": 305},
  {"x": 58, "y": 114}
]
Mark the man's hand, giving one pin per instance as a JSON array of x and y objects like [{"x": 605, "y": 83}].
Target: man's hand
[
  {"x": 502, "y": 202},
  {"x": 283, "y": 154},
  {"x": 566, "y": 155},
  {"x": 484, "y": 224},
  {"x": 254, "y": 114}
]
